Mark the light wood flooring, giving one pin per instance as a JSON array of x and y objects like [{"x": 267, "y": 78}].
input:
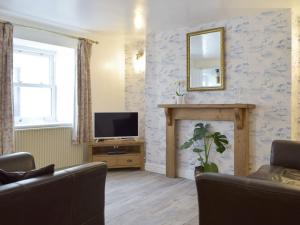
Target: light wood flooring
[{"x": 144, "y": 198}]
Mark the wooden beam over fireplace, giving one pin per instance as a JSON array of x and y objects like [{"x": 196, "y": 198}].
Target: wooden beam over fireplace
[{"x": 238, "y": 113}]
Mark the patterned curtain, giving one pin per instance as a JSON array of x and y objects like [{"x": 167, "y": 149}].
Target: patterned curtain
[
  {"x": 82, "y": 127},
  {"x": 6, "y": 89}
]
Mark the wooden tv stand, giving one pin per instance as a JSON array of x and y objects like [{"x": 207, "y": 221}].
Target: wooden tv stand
[{"x": 118, "y": 153}]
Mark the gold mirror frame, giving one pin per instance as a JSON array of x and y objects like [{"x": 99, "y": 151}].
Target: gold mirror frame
[{"x": 222, "y": 59}]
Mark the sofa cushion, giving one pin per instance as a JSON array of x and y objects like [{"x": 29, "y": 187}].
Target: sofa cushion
[
  {"x": 10, "y": 177},
  {"x": 278, "y": 174}
]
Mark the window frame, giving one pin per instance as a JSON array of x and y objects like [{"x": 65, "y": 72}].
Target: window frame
[{"x": 42, "y": 122}]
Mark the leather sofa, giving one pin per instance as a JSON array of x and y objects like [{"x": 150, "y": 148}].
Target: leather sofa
[
  {"x": 270, "y": 196},
  {"x": 73, "y": 196}
]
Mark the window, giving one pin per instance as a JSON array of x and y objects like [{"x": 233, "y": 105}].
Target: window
[
  {"x": 43, "y": 78},
  {"x": 34, "y": 86}
]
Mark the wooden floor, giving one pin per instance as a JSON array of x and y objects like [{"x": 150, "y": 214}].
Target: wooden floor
[{"x": 144, "y": 198}]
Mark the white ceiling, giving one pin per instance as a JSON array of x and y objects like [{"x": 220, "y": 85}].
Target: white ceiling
[{"x": 118, "y": 15}]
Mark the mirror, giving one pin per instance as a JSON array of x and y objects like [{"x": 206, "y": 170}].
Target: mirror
[{"x": 205, "y": 60}]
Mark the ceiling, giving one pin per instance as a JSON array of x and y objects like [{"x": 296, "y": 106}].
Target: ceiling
[{"x": 119, "y": 15}]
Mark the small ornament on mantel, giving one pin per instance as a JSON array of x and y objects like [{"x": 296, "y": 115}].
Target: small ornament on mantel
[{"x": 180, "y": 92}]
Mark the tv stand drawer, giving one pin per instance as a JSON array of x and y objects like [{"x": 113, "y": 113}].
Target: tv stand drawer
[
  {"x": 119, "y": 161},
  {"x": 129, "y": 160},
  {"x": 109, "y": 160}
]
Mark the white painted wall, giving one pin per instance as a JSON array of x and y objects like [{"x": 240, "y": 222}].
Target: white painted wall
[
  {"x": 43, "y": 36},
  {"x": 108, "y": 73}
]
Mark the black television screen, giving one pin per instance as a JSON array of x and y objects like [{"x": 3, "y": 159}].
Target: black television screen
[{"x": 117, "y": 124}]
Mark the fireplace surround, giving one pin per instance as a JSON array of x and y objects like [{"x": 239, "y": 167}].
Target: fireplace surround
[{"x": 238, "y": 113}]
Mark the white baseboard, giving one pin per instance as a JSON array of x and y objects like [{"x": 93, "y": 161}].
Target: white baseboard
[
  {"x": 158, "y": 168},
  {"x": 155, "y": 168}
]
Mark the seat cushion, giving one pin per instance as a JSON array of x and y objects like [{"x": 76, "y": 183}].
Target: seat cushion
[
  {"x": 278, "y": 174},
  {"x": 10, "y": 177}
]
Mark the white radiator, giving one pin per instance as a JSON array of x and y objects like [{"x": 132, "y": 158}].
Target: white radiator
[{"x": 50, "y": 145}]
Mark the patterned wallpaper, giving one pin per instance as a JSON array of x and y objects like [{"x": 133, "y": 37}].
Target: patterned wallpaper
[
  {"x": 135, "y": 83},
  {"x": 258, "y": 65},
  {"x": 295, "y": 75}
]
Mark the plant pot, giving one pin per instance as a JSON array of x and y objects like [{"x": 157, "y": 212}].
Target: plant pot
[
  {"x": 180, "y": 99},
  {"x": 198, "y": 170}
]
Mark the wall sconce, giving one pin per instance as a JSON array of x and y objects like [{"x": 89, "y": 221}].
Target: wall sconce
[
  {"x": 139, "y": 54},
  {"x": 139, "y": 61}
]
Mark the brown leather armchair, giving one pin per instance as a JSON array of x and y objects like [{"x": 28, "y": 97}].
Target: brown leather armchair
[
  {"x": 74, "y": 196},
  {"x": 260, "y": 199}
]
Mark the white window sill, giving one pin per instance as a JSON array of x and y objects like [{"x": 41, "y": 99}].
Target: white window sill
[{"x": 43, "y": 126}]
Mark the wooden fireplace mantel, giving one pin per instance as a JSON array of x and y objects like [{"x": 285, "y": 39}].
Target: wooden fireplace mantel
[{"x": 238, "y": 113}]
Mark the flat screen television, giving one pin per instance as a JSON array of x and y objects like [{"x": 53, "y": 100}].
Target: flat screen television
[{"x": 115, "y": 125}]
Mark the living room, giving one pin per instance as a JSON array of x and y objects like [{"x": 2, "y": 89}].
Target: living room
[{"x": 149, "y": 112}]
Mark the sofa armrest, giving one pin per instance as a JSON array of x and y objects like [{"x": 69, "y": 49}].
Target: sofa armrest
[
  {"x": 231, "y": 200},
  {"x": 20, "y": 161},
  {"x": 89, "y": 193},
  {"x": 286, "y": 154},
  {"x": 74, "y": 196}
]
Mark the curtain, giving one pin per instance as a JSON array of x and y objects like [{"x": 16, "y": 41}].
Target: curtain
[
  {"x": 6, "y": 89},
  {"x": 82, "y": 126}
]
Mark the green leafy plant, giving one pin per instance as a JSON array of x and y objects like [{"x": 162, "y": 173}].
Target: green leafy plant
[{"x": 201, "y": 144}]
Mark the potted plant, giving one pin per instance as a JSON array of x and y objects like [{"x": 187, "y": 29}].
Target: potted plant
[
  {"x": 180, "y": 92},
  {"x": 201, "y": 144}
]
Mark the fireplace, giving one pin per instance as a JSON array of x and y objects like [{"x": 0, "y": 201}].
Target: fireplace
[{"x": 238, "y": 113}]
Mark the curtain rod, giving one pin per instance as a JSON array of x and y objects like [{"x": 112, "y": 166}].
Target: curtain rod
[{"x": 54, "y": 32}]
